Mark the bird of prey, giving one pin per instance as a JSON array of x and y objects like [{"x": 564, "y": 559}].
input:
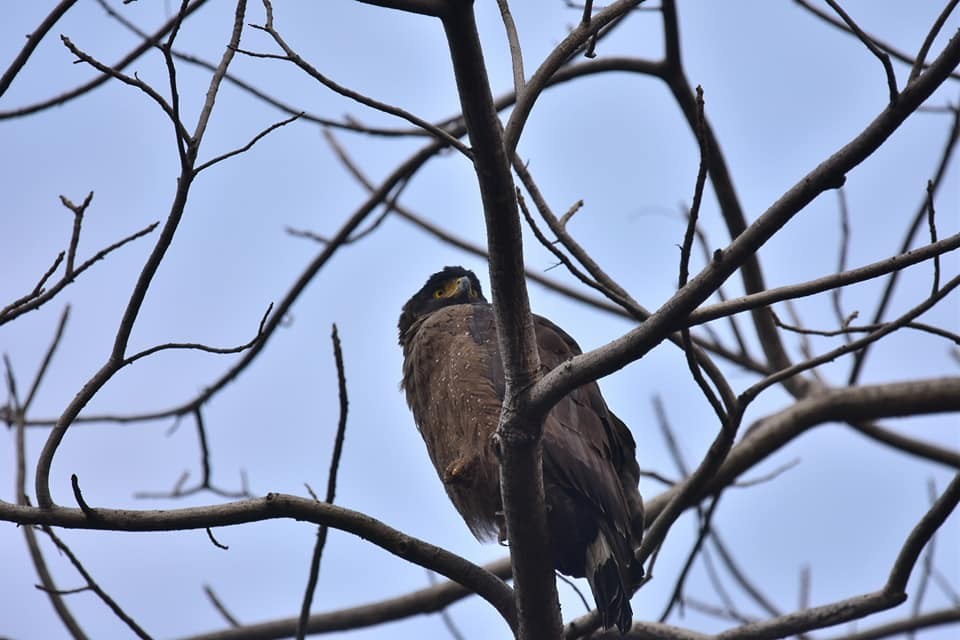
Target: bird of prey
[{"x": 454, "y": 383}]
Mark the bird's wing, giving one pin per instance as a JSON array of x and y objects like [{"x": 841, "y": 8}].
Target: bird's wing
[
  {"x": 584, "y": 444},
  {"x": 586, "y": 449}
]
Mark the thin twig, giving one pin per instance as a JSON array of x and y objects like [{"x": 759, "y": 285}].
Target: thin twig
[
  {"x": 932, "y": 225},
  {"x": 128, "y": 59},
  {"x": 836, "y": 293},
  {"x": 752, "y": 392},
  {"x": 216, "y": 543},
  {"x": 78, "y": 211},
  {"x": 947, "y": 588},
  {"x": 872, "y": 46},
  {"x": 206, "y": 475},
  {"x": 668, "y": 437},
  {"x": 928, "y": 41},
  {"x": 946, "y": 154},
  {"x": 295, "y": 58},
  {"x": 331, "y": 486},
  {"x": 39, "y": 296},
  {"x": 713, "y": 575},
  {"x": 445, "y": 616},
  {"x": 32, "y": 41},
  {"x": 78, "y": 496},
  {"x": 839, "y": 24},
  {"x": 693, "y": 363},
  {"x": 92, "y": 584},
  {"x": 767, "y": 477},
  {"x": 246, "y": 147},
  {"x": 513, "y": 40},
  {"x": 17, "y": 417},
  {"x": 47, "y": 359},
  {"x": 725, "y": 612},
  {"x": 219, "y": 606},
  {"x": 707, "y": 251},
  {"x": 202, "y": 347},
  {"x": 740, "y": 577},
  {"x": 133, "y": 81},
  {"x": 704, "y": 531}
]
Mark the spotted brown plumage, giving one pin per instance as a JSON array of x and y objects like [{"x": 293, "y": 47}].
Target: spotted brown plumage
[{"x": 454, "y": 383}]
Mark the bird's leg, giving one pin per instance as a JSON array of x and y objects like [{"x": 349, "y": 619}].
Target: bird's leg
[{"x": 459, "y": 471}]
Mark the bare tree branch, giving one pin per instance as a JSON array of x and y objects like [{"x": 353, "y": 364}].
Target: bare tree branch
[
  {"x": 946, "y": 155},
  {"x": 516, "y": 53},
  {"x": 922, "y": 621},
  {"x": 119, "y": 66},
  {"x": 273, "y": 506},
  {"x": 609, "y": 358},
  {"x": 891, "y": 595},
  {"x": 931, "y": 36},
  {"x": 842, "y": 404},
  {"x": 32, "y": 41},
  {"x": 331, "y": 488},
  {"x": 871, "y": 45},
  {"x": 893, "y": 264},
  {"x": 294, "y": 57},
  {"x": 423, "y": 601},
  {"x": 93, "y": 586},
  {"x": 575, "y": 40},
  {"x": 114, "y": 363},
  {"x": 17, "y": 417},
  {"x": 839, "y": 24},
  {"x": 39, "y": 296},
  {"x": 518, "y": 436},
  {"x": 219, "y": 606}
]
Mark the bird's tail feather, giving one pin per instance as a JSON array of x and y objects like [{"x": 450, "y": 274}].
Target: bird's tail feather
[{"x": 607, "y": 577}]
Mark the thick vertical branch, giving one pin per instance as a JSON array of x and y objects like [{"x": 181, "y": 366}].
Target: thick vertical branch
[{"x": 521, "y": 475}]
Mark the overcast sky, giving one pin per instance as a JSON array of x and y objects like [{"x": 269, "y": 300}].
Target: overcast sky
[{"x": 783, "y": 91}]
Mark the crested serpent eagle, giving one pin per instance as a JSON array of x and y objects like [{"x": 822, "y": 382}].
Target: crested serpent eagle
[{"x": 454, "y": 383}]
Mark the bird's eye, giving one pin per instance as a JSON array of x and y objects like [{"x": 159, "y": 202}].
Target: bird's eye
[{"x": 438, "y": 293}]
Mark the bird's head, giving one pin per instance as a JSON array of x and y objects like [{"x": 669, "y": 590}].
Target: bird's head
[{"x": 453, "y": 285}]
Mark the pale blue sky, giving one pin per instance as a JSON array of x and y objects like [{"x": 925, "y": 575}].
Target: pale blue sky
[{"x": 783, "y": 91}]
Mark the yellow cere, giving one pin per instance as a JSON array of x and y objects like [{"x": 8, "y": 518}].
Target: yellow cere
[{"x": 449, "y": 288}]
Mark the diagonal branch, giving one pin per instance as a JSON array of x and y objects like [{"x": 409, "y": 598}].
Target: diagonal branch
[
  {"x": 276, "y": 506},
  {"x": 96, "y": 588},
  {"x": 40, "y": 296},
  {"x": 737, "y": 254},
  {"x": 561, "y": 54},
  {"x": 314, "y": 73},
  {"x": 839, "y": 24},
  {"x": 931, "y": 36},
  {"x": 145, "y": 46},
  {"x": 953, "y": 137},
  {"x": 841, "y": 404},
  {"x": 32, "y": 41},
  {"x": 868, "y": 42},
  {"x": 423, "y": 601}
]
